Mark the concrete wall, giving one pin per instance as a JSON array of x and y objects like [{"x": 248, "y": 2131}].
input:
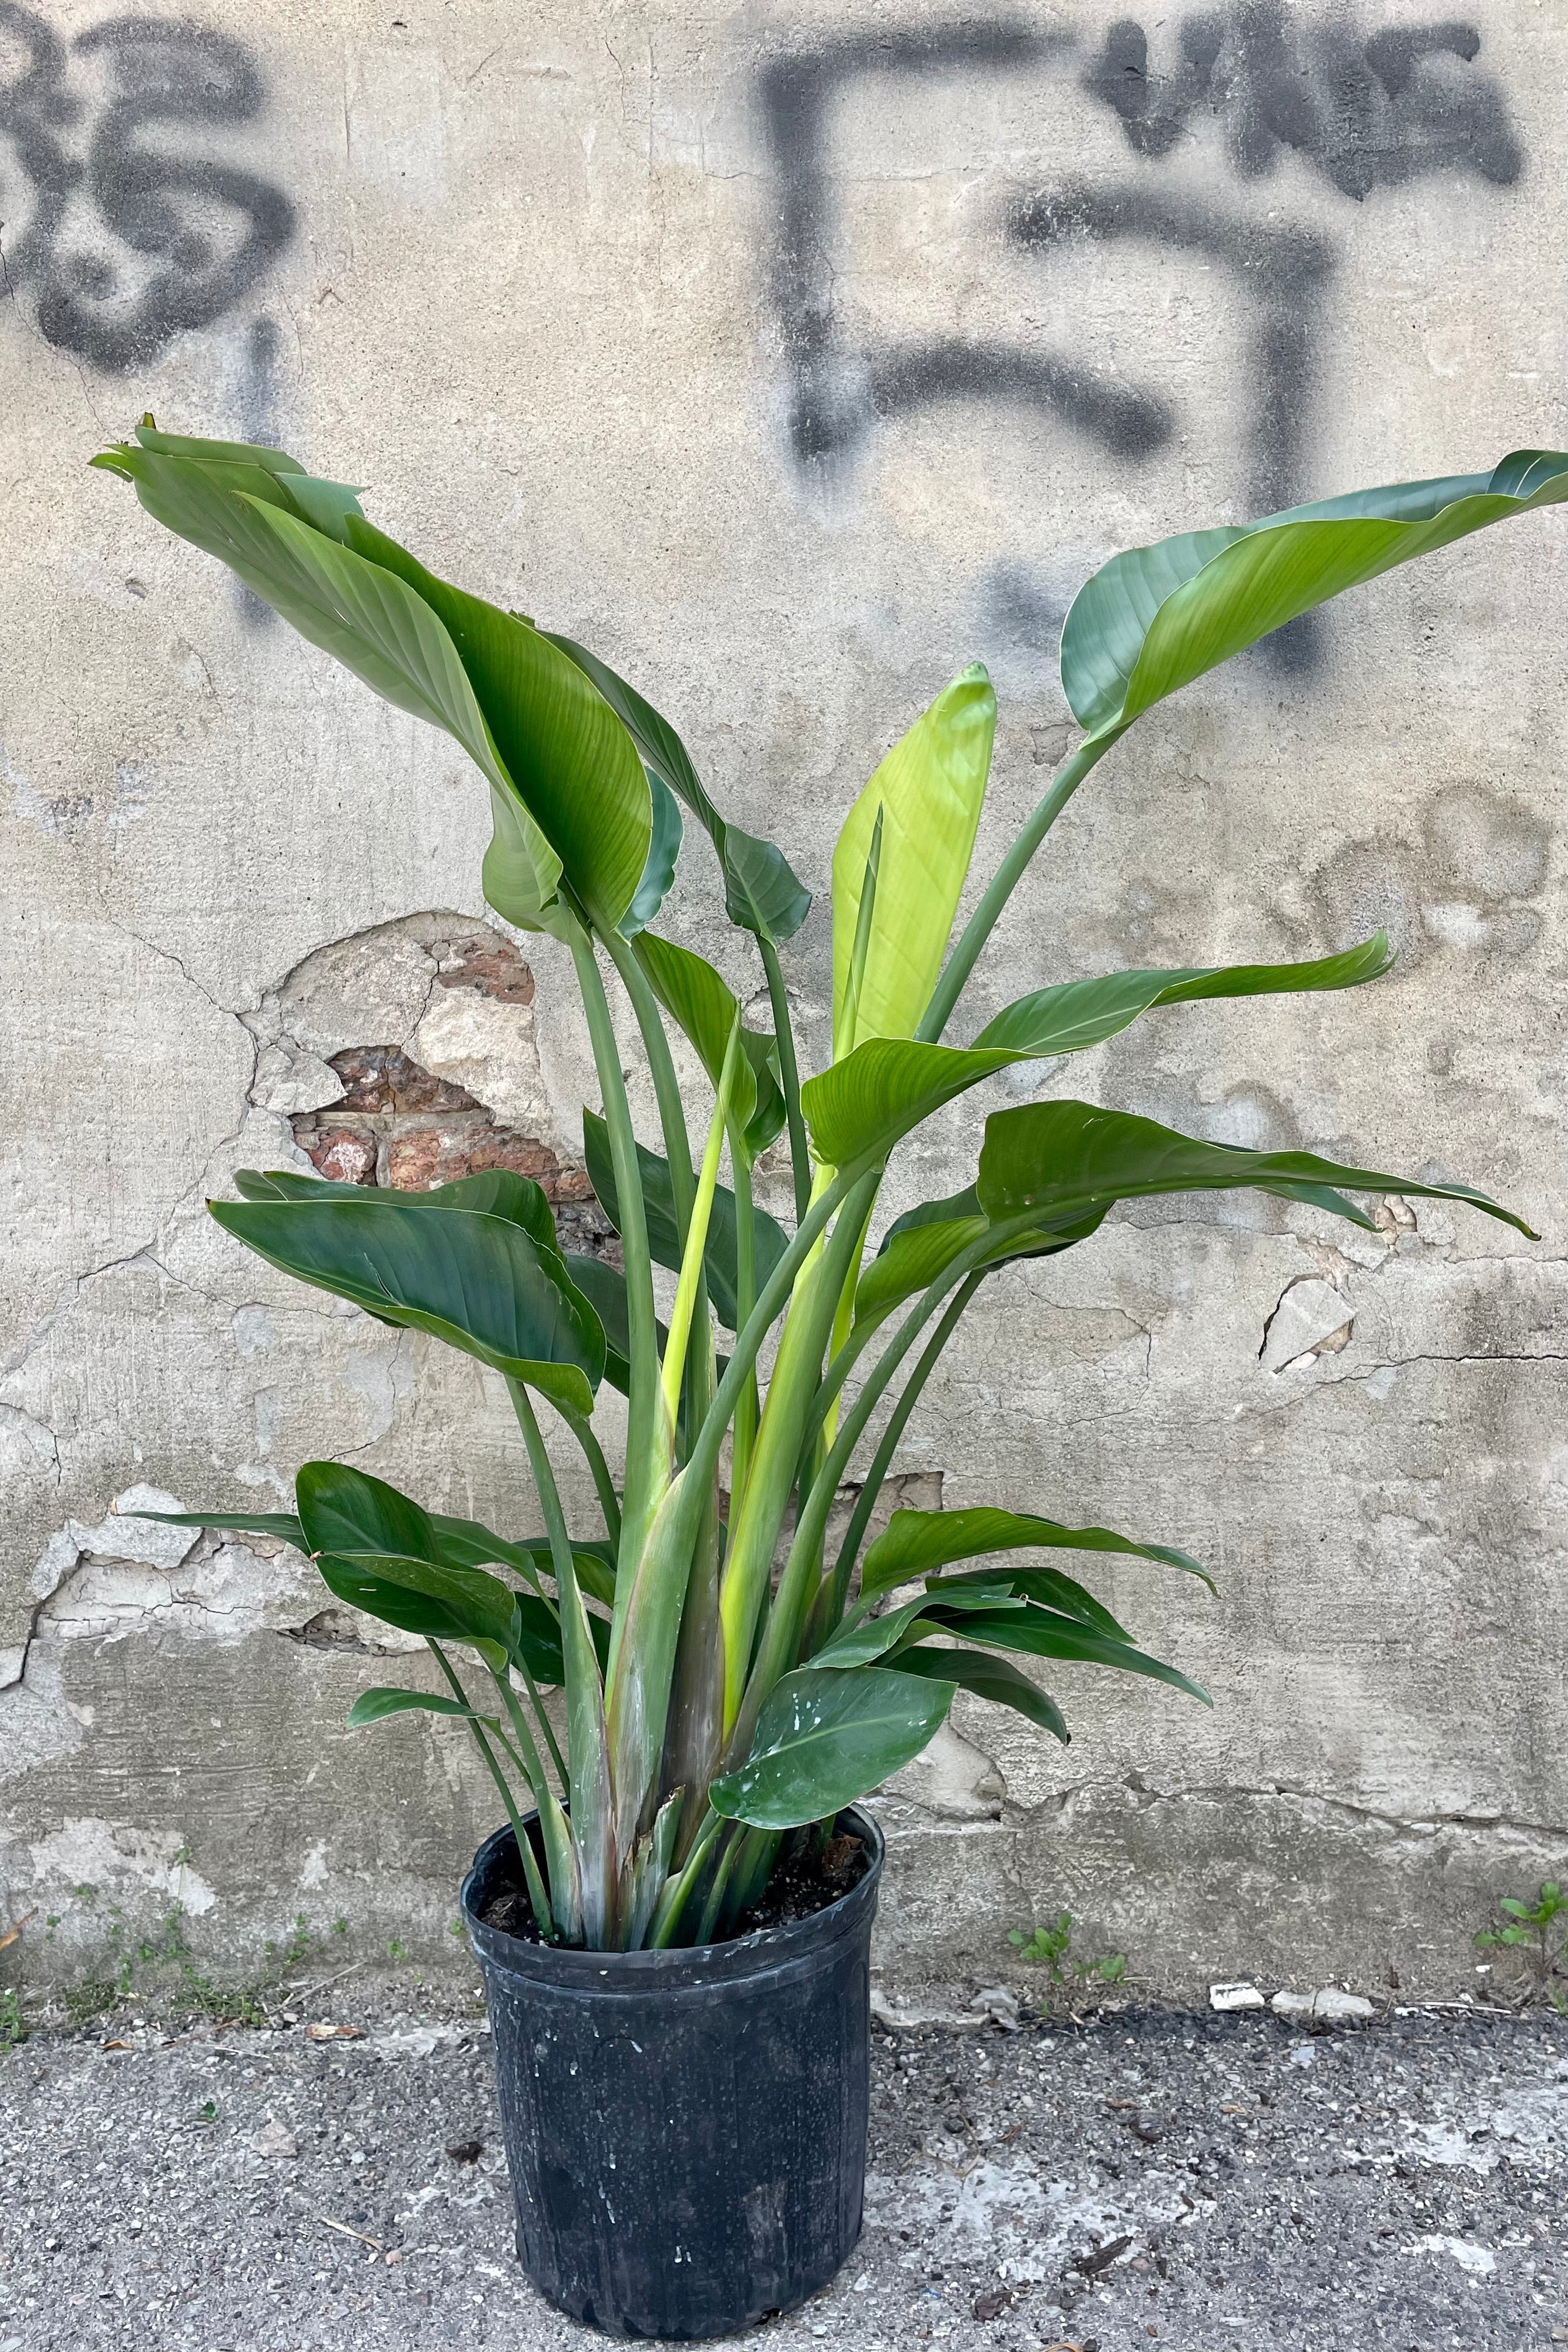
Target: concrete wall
[{"x": 794, "y": 355}]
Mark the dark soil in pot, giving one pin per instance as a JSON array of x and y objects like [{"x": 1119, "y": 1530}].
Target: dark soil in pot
[
  {"x": 687, "y": 2129},
  {"x": 805, "y": 1883}
]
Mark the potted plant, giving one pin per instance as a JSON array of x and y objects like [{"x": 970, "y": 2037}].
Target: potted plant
[{"x": 673, "y": 1925}]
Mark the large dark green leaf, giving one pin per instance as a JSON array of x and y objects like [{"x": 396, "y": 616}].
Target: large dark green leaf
[
  {"x": 824, "y": 1739},
  {"x": 571, "y": 761},
  {"x": 1047, "y": 1585},
  {"x": 664, "y": 1234},
  {"x": 362, "y": 1525},
  {"x": 761, "y": 893},
  {"x": 362, "y": 614},
  {"x": 1062, "y": 1156},
  {"x": 495, "y": 1192},
  {"x": 997, "y": 1679},
  {"x": 471, "y": 1277},
  {"x": 1155, "y": 618},
  {"x": 916, "y": 1542},
  {"x": 1083, "y": 1012}
]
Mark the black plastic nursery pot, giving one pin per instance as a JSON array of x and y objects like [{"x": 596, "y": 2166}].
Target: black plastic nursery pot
[{"x": 686, "y": 2130}]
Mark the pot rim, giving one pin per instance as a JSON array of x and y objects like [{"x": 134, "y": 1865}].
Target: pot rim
[{"x": 622, "y": 1973}]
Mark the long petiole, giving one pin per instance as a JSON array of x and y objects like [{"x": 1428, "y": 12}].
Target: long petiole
[
  {"x": 644, "y": 1471},
  {"x": 715, "y": 1895},
  {"x": 837, "y": 1586},
  {"x": 537, "y": 1896},
  {"x": 689, "y": 1283},
  {"x": 1004, "y": 881},
  {"x": 666, "y": 1085},
  {"x": 776, "y": 1654},
  {"x": 789, "y": 1072},
  {"x": 544, "y": 1723},
  {"x": 747, "y": 1409},
  {"x": 599, "y": 1469}
]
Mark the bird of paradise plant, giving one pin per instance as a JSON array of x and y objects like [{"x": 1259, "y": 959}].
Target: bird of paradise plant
[{"x": 717, "y": 1698}]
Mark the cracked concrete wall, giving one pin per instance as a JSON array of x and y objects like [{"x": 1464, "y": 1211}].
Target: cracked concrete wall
[{"x": 794, "y": 356}]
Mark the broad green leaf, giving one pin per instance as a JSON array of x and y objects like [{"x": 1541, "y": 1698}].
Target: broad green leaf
[
  {"x": 663, "y": 855},
  {"x": 1155, "y": 618},
  {"x": 761, "y": 893},
  {"x": 916, "y": 1542},
  {"x": 496, "y": 1192},
  {"x": 858, "y": 1109},
  {"x": 997, "y": 1679},
  {"x": 356, "y": 609},
  {"x": 1060, "y": 1156},
  {"x": 573, "y": 764},
  {"x": 862, "y": 1105},
  {"x": 375, "y": 1705},
  {"x": 475, "y": 1279},
  {"x": 928, "y": 792},
  {"x": 1044, "y": 1633},
  {"x": 1083, "y": 1012},
  {"x": 362, "y": 1524},
  {"x": 1047, "y": 1585},
  {"x": 824, "y": 1740},
  {"x": 873, "y": 1637},
  {"x": 232, "y": 453},
  {"x": 664, "y": 1234}
]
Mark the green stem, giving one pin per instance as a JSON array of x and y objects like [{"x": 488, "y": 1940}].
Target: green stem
[
  {"x": 715, "y": 1895},
  {"x": 536, "y": 1893},
  {"x": 594, "y": 1454},
  {"x": 544, "y": 1723},
  {"x": 787, "y": 1622},
  {"x": 747, "y": 1409},
  {"x": 666, "y": 1085},
  {"x": 789, "y": 1072},
  {"x": 837, "y": 1586},
  {"x": 1004, "y": 881},
  {"x": 644, "y": 1472},
  {"x": 677, "y": 1891}
]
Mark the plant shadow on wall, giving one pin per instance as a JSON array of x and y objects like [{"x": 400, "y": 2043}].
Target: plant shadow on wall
[{"x": 724, "y": 1707}]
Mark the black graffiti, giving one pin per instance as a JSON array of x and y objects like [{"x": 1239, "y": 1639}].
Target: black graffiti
[
  {"x": 836, "y": 394},
  {"x": 1282, "y": 274},
  {"x": 1366, "y": 113},
  {"x": 196, "y": 233}
]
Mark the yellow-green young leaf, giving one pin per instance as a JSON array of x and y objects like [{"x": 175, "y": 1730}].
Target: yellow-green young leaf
[
  {"x": 929, "y": 789},
  {"x": 1155, "y": 618}
]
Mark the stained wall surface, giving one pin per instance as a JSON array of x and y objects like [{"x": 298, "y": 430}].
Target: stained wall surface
[{"x": 795, "y": 354}]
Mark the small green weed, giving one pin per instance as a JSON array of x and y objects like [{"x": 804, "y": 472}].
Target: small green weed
[
  {"x": 13, "y": 2024},
  {"x": 1529, "y": 1929},
  {"x": 1050, "y": 1947}
]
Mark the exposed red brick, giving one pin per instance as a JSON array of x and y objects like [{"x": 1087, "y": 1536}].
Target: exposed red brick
[
  {"x": 383, "y": 1078},
  {"x": 346, "y": 1154},
  {"x": 414, "y": 1159},
  {"x": 492, "y": 966},
  {"x": 418, "y": 1157}
]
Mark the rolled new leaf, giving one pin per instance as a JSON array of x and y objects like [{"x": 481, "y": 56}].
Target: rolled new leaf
[
  {"x": 916, "y": 1542},
  {"x": 1155, "y": 618},
  {"x": 823, "y": 1740},
  {"x": 762, "y": 894},
  {"x": 703, "y": 1006},
  {"x": 478, "y": 1280},
  {"x": 1060, "y": 1156}
]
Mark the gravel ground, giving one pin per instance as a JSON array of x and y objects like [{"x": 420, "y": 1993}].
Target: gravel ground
[{"x": 1136, "y": 2177}]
